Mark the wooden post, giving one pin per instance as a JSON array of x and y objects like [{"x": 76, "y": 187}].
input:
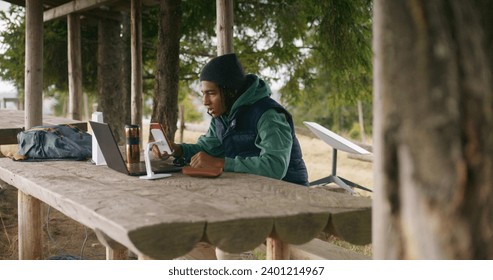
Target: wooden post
[
  {"x": 74, "y": 67},
  {"x": 136, "y": 54},
  {"x": 30, "y": 227},
  {"x": 34, "y": 64},
  {"x": 276, "y": 249},
  {"x": 29, "y": 208},
  {"x": 182, "y": 122},
  {"x": 85, "y": 103},
  {"x": 116, "y": 254},
  {"x": 361, "y": 122},
  {"x": 224, "y": 26}
]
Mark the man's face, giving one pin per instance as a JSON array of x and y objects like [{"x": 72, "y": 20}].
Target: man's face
[{"x": 211, "y": 98}]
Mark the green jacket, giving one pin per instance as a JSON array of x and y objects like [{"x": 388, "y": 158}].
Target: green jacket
[{"x": 274, "y": 138}]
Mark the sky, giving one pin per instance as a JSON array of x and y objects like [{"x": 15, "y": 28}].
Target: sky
[{"x": 4, "y": 5}]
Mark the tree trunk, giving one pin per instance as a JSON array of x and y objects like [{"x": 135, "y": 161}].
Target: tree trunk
[
  {"x": 74, "y": 67},
  {"x": 126, "y": 67},
  {"x": 111, "y": 99},
  {"x": 136, "y": 61},
  {"x": 165, "y": 108},
  {"x": 433, "y": 127}
]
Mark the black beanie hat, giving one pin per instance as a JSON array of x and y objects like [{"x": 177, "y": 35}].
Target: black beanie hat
[{"x": 225, "y": 71}]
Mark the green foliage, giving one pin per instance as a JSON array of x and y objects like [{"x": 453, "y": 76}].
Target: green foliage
[
  {"x": 191, "y": 113},
  {"x": 355, "y": 131},
  {"x": 336, "y": 70},
  {"x": 339, "y": 119},
  {"x": 55, "y": 61},
  {"x": 185, "y": 99},
  {"x": 319, "y": 51},
  {"x": 12, "y": 58}
]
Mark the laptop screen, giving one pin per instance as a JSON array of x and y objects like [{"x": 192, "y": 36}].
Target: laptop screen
[{"x": 108, "y": 146}]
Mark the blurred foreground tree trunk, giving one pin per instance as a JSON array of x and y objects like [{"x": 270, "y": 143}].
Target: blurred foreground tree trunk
[
  {"x": 433, "y": 127},
  {"x": 165, "y": 108}
]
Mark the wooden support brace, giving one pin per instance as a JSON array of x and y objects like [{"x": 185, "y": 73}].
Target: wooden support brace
[{"x": 276, "y": 249}]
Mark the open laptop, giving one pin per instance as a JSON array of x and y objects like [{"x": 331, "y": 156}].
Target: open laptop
[{"x": 114, "y": 158}]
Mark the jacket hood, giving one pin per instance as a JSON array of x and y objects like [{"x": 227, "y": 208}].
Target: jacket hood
[{"x": 256, "y": 89}]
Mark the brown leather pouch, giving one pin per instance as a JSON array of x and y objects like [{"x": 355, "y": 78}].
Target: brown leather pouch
[{"x": 201, "y": 172}]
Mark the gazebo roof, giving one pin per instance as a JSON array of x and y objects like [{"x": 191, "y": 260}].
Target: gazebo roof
[{"x": 102, "y": 8}]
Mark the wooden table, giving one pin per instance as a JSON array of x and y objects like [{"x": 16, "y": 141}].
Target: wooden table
[
  {"x": 12, "y": 122},
  {"x": 166, "y": 218}
]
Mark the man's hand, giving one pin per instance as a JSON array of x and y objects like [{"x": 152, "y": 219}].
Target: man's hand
[
  {"x": 177, "y": 151},
  {"x": 202, "y": 159}
]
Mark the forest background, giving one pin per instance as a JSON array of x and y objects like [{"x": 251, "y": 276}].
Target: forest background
[{"x": 316, "y": 53}]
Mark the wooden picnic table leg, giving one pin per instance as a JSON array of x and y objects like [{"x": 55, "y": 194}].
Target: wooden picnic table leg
[
  {"x": 142, "y": 257},
  {"x": 276, "y": 249},
  {"x": 30, "y": 227},
  {"x": 116, "y": 254},
  {"x": 114, "y": 250}
]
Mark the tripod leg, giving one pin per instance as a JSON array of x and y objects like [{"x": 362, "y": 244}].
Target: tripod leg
[
  {"x": 323, "y": 181},
  {"x": 354, "y": 185},
  {"x": 343, "y": 185}
]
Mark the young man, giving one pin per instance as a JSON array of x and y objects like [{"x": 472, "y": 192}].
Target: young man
[{"x": 249, "y": 131}]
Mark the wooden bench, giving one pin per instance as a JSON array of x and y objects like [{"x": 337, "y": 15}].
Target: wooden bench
[
  {"x": 321, "y": 250},
  {"x": 316, "y": 249},
  {"x": 12, "y": 122},
  {"x": 14, "y": 100}
]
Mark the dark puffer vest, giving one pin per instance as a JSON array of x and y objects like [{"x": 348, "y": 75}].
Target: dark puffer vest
[{"x": 239, "y": 138}]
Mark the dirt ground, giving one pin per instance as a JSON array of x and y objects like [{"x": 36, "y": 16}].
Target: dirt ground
[{"x": 67, "y": 239}]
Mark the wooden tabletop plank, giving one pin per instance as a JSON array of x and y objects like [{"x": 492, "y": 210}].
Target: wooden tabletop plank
[
  {"x": 165, "y": 218},
  {"x": 12, "y": 122}
]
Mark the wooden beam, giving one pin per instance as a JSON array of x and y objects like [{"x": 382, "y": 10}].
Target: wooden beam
[
  {"x": 75, "y": 6},
  {"x": 33, "y": 80},
  {"x": 224, "y": 27},
  {"x": 21, "y": 3},
  {"x": 74, "y": 67}
]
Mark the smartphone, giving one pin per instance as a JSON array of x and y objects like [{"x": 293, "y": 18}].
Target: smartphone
[{"x": 158, "y": 135}]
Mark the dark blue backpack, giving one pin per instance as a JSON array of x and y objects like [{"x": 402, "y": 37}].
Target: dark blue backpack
[{"x": 55, "y": 142}]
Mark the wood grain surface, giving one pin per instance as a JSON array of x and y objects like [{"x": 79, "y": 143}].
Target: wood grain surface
[{"x": 166, "y": 218}]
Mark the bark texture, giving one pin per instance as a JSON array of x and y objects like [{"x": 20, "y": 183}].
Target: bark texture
[
  {"x": 433, "y": 108},
  {"x": 165, "y": 108},
  {"x": 110, "y": 90}
]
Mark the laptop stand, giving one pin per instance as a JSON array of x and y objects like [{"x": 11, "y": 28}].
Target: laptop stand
[{"x": 150, "y": 174}]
